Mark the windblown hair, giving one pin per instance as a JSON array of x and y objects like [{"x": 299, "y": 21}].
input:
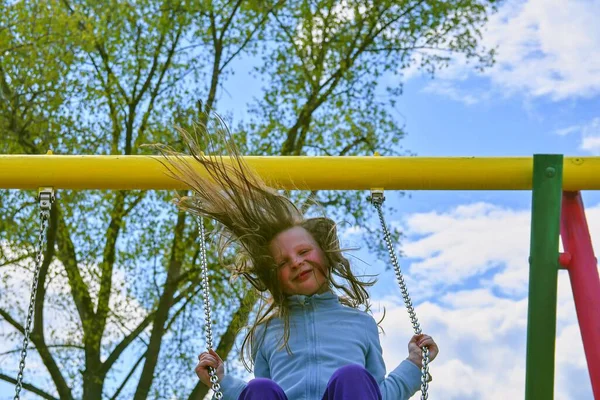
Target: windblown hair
[{"x": 252, "y": 214}]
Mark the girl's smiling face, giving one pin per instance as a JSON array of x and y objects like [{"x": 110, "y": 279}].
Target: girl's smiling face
[{"x": 301, "y": 263}]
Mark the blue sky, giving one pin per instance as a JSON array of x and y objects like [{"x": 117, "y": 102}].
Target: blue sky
[{"x": 466, "y": 263}]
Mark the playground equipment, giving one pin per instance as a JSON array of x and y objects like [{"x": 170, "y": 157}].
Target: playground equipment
[{"x": 557, "y": 211}]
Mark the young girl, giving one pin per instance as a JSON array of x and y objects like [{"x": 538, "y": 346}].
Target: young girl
[{"x": 307, "y": 342}]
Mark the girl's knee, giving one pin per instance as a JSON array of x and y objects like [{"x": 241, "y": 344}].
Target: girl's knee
[
  {"x": 261, "y": 384},
  {"x": 262, "y": 388},
  {"x": 352, "y": 381}
]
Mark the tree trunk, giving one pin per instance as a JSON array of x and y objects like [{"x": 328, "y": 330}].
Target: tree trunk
[
  {"x": 162, "y": 313},
  {"x": 92, "y": 385}
]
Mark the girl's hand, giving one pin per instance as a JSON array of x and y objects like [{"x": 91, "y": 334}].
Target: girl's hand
[
  {"x": 415, "y": 354},
  {"x": 210, "y": 359}
]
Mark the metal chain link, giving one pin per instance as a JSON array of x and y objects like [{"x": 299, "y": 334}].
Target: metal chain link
[
  {"x": 45, "y": 198},
  {"x": 377, "y": 198},
  {"x": 216, "y": 387}
]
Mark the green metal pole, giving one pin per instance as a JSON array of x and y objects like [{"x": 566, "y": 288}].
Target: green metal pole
[{"x": 543, "y": 276}]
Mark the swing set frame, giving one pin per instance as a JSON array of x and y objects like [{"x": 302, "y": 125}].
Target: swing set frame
[{"x": 558, "y": 212}]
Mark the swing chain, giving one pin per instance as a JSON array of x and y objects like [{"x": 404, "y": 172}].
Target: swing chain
[
  {"x": 45, "y": 198},
  {"x": 216, "y": 387},
  {"x": 377, "y": 198}
]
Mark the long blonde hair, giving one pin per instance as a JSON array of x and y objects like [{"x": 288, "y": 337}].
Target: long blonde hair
[{"x": 251, "y": 215}]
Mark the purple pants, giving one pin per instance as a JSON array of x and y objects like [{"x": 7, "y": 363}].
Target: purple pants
[{"x": 347, "y": 383}]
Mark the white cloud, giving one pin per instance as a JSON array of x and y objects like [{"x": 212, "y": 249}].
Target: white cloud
[
  {"x": 589, "y": 135},
  {"x": 446, "y": 88},
  {"x": 481, "y": 333},
  {"x": 483, "y": 345},
  {"x": 349, "y": 232},
  {"x": 468, "y": 242},
  {"x": 545, "y": 48},
  {"x": 473, "y": 350},
  {"x": 568, "y": 131},
  {"x": 591, "y": 144}
]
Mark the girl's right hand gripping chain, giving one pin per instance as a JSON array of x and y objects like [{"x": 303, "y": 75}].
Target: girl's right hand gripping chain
[{"x": 210, "y": 359}]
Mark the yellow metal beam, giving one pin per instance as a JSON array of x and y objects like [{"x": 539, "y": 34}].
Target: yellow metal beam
[{"x": 335, "y": 173}]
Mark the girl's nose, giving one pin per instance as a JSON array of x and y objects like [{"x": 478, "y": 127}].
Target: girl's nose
[{"x": 297, "y": 261}]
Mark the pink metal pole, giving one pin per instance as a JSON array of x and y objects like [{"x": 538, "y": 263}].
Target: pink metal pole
[{"x": 585, "y": 282}]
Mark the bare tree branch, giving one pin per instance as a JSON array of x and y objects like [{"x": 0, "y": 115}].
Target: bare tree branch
[
  {"x": 28, "y": 386},
  {"x": 251, "y": 34},
  {"x": 67, "y": 255},
  {"x": 61, "y": 385},
  {"x": 156, "y": 90},
  {"x": 106, "y": 267},
  {"x": 123, "y": 344},
  {"x": 129, "y": 375},
  {"x": 16, "y": 260},
  {"x": 51, "y": 346},
  {"x": 8, "y": 318}
]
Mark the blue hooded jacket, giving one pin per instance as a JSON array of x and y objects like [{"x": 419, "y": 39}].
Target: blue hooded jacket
[{"x": 324, "y": 336}]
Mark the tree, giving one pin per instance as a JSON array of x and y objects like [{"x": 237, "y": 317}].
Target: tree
[{"x": 118, "y": 309}]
